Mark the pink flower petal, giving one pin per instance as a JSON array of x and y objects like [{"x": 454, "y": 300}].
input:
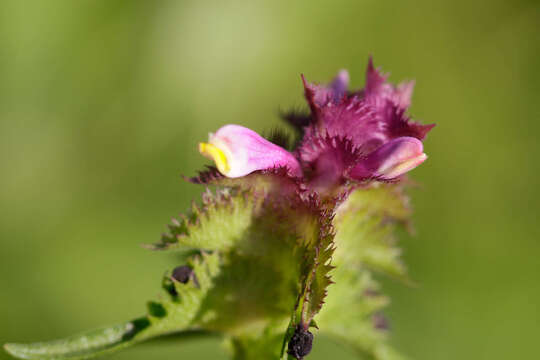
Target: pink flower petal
[
  {"x": 391, "y": 160},
  {"x": 238, "y": 151}
]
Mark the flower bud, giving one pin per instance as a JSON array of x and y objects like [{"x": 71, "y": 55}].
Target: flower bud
[
  {"x": 238, "y": 151},
  {"x": 391, "y": 160}
]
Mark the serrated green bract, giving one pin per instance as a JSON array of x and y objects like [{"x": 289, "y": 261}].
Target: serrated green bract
[
  {"x": 364, "y": 244},
  {"x": 176, "y": 314},
  {"x": 261, "y": 250},
  {"x": 263, "y": 344},
  {"x": 317, "y": 249},
  {"x": 217, "y": 224},
  {"x": 366, "y": 223},
  {"x": 246, "y": 271}
]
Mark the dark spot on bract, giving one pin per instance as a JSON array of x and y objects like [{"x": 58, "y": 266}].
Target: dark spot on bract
[
  {"x": 380, "y": 322},
  {"x": 301, "y": 343},
  {"x": 168, "y": 285},
  {"x": 156, "y": 309},
  {"x": 371, "y": 292},
  {"x": 137, "y": 326}
]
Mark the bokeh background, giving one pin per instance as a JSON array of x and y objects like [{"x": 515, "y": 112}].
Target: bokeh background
[{"x": 102, "y": 104}]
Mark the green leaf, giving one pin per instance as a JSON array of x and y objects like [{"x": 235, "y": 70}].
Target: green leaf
[
  {"x": 261, "y": 183},
  {"x": 358, "y": 326},
  {"x": 92, "y": 343},
  {"x": 317, "y": 246},
  {"x": 176, "y": 313},
  {"x": 366, "y": 223},
  {"x": 255, "y": 258},
  {"x": 260, "y": 275},
  {"x": 318, "y": 268},
  {"x": 260, "y": 345},
  {"x": 364, "y": 227},
  {"x": 218, "y": 224}
]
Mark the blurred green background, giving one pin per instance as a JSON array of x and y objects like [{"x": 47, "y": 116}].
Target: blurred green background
[{"x": 102, "y": 104}]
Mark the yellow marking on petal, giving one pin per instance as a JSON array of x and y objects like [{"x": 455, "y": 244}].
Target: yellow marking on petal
[{"x": 216, "y": 154}]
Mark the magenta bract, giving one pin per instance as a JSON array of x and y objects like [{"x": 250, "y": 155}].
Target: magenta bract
[{"x": 348, "y": 136}]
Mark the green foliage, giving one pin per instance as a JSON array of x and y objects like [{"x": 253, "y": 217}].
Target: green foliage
[
  {"x": 216, "y": 225},
  {"x": 176, "y": 313},
  {"x": 318, "y": 278},
  {"x": 317, "y": 247},
  {"x": 260, "y": 345},
  {"x": 256, "y": 258},
  {"x": 366, "y": 224},
  {"x": 97, "y": 342},
  {"x": 317, "y": 252},
  {"x": 364, "y": 243}
]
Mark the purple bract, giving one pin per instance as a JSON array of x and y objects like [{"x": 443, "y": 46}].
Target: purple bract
[{"x": 348, "y": 137}]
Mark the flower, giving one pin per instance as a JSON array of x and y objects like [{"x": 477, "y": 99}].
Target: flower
[
  {"x": 238, "y": 151},
  {"x": 391, "y": 160},
  {"x": 349, "y": 136}
]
